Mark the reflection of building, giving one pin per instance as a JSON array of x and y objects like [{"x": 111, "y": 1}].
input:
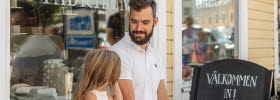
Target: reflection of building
[
  {"x": 215, "y": 13},
  {"x": 187, "y": 8},
  {"x": 210, "y": 13}
]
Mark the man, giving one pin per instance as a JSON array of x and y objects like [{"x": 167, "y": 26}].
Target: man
[
  {"x": 142, "y": 72},
  {"x": 115, "y": 29},
  {"x": 189, "y": 37}
]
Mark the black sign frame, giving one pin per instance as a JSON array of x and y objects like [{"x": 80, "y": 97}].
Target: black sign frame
[{"x": 269, "y": 83}]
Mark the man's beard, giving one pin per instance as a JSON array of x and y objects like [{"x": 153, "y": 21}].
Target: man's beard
[{"x": 138, "y": 40}]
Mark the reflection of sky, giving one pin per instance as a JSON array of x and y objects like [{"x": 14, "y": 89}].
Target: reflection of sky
[
  {"x": 199, "y": 3},
  {"x": 217, "y": 34},
  {"x": 221, "y": 36}
]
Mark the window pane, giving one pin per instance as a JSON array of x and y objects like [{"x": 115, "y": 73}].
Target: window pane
[
  {"x": 49, "y": 41},
  {"x": 208, "y": 32}
]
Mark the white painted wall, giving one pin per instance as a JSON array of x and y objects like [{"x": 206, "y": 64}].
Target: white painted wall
[
  {"x": 177, "y": 49},
  {"x": 5, "y": 50}
]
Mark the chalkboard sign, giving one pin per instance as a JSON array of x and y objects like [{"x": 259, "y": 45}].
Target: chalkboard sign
[{"x": 231, "y": 80}]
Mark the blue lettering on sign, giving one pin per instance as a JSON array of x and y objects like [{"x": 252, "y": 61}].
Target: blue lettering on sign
[
  {"x": 80, "y": 23},
  {"x": 80, "y": 41}
]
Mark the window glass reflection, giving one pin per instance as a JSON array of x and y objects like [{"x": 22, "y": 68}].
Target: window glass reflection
[
  {"x": 49, "y": 42},
  {"x": 208, "y": 33}
]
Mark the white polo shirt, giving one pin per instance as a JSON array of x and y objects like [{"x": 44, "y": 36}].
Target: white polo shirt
[{"x": 144, "y": 68}]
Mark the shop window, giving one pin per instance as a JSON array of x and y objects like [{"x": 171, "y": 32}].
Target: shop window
[
  {"x": 205, "y": 42},
  {"x": 49, "y": 41}
]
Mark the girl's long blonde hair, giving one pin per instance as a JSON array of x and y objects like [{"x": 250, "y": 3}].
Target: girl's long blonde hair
[{"x": 101, "y": 66}]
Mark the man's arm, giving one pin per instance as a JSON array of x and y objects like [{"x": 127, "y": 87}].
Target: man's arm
[
  {"x": 126, "y": 89},
  {"x": 161, "y": 91},
  {"x": 110, "y": 36}
]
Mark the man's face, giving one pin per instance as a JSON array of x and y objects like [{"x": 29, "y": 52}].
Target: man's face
[
  {"x": 141, "y": 25},
  {"x": 188, "y": 24}
]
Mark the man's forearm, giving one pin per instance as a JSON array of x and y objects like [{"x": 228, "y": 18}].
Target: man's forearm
[
  {"x": 126, "y": 89},
  {"x": 117, "y": 93}
]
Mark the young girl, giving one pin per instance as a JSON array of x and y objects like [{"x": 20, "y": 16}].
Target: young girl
[{"x": 102, "y": 70}]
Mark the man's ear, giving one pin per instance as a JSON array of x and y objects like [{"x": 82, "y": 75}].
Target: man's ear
[{"x": 155, "y": 21}]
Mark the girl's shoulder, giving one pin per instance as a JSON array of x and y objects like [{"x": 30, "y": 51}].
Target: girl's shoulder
[
  {"x": 100, "y": 95},
  {"x": 90, "y": 96}
]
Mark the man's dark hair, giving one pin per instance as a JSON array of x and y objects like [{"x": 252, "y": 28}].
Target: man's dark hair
[
  {"x": 189, "y": 19},
  {"x": 138, "y": 5}
]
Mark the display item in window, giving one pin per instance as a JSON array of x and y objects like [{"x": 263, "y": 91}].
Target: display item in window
[
  {"x": 27, "y": 92},
  {"x": 28, "y": 63},
  {"x": 57, "y": 76}
]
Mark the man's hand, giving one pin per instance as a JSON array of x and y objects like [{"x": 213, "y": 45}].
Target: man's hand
[
  {"x": 117, "y": 92},
  {"x": 161, "y": 91}
]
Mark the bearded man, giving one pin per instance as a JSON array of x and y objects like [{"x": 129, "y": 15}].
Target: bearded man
[{"x": 142, "y": 67}]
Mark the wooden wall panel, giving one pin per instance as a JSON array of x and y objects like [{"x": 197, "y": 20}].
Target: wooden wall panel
[
  {"x": 258, "y": 15},
  {"x": 260, "y": 43},
  {"x": 169, "y": 48},
  {"x": 169, "y": 19},
  {"x": 259, "y": 24},
  {"x": 267, "y": 62},
  {"x": 261, "y": 32},
  {"x": 169, "y": 33},
  {"x": 261, "y": 53},
  {"x": 260, "y": 6},
  {"x": 264, "y": 1}
]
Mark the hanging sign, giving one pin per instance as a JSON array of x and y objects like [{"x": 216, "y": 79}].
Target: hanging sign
[{"x": 80, "y": 41}]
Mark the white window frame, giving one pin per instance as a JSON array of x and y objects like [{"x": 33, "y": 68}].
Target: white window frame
[
  {"x": 5, "y": 50},
  {"x": 177, "y": 49},
  {"x": 177, "y": 44},
  {"x": 243, "y": 29},
  {"x": 158, "y": 40},
  {"x": 276, "y": 47}
]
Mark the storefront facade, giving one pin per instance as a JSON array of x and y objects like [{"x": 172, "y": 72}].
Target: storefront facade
[
  {"x": 257, "y": 40},
  {"x": 22, "y": 25}
]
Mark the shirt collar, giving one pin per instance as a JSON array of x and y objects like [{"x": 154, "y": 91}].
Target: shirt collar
[{"x": 135, "y": 46}]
